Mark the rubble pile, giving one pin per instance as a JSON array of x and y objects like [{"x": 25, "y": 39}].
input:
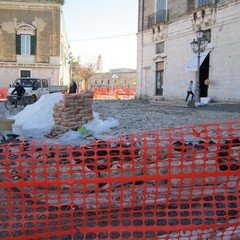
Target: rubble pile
[{"x": 73, "y": 111}]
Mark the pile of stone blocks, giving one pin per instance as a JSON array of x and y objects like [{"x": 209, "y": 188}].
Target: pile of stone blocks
[{"x": 74, "y": 110}]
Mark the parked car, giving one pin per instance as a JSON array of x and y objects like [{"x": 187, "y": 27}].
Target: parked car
[{"x": 35, "y": 88}]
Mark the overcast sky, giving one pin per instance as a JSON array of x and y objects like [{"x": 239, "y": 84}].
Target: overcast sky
[{"x": 106, "y": 27}]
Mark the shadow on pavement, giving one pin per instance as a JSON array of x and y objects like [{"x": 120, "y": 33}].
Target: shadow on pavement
[{"x": 223, "y": 107}]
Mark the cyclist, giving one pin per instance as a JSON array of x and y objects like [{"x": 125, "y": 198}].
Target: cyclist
[{"x": 20, "y": 92}]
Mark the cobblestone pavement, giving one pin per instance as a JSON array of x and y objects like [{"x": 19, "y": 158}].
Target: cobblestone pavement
[
  {"x": 135, "y": 115},
  {"x": 138, "y": 115}
]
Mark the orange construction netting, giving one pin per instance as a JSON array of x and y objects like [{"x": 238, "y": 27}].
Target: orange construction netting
[
  {"x": 3, "y": 93},
  {"x": 180, "y": 183},
  {"x": 114, "y": 93}
]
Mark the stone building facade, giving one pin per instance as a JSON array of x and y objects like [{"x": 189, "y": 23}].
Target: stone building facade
[
  {"x": 33, "y": 41},
  {"x": 115, "y": 78},
  {"x": 166, "y": 62}
]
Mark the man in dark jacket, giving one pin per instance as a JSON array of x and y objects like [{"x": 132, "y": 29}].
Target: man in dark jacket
[
  {"x": 19, "y": 89},
  {"x": 73, "y": 87},
  {"x": 20, "y": 92}
]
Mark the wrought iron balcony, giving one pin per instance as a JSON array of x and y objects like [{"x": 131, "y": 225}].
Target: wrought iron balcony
[
  {"x": 194, "y": 4},
  {"x": 158, "y": 17}
]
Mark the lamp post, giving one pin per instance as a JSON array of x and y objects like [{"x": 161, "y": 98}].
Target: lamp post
[
  {"x": 115, "y": 77},
  {"x": 198, "y": 46}
]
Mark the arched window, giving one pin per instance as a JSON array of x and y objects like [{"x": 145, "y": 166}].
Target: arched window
[{"x": 25, "y": 40}]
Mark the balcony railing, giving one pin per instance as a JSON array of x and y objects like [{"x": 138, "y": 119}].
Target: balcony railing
[
  {"x": 194, "y": 4},
  {"x": 158, "y": 17}
]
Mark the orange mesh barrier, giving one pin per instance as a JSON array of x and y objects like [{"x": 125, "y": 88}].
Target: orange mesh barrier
[
  {"x": 3, "y": 93},
  {"x": 114, "y": 93},
  {"x": 180, "y": 183}
]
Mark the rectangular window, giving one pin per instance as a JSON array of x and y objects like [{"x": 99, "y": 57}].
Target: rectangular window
[
  {"x": 37, "y": 84},
  {"x": 161, "y": 5},
  {"x": 25, "y": 44},
  {"x": 193, "y": 4},
  {"x": 25, "y": 73},
  {"x": 161, "y": 11},
  {"x": 45, "y": 83},
  {"x": 207, "y": 34},
  {"x": 159, "y": 78},
  {"x": 203, "y": 3},
  {"x": 160, "y": 48}
]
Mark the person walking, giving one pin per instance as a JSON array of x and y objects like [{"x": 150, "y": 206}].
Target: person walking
[
  {"x": 73, "y": 87},
  {"x": 190, "y": 91}
]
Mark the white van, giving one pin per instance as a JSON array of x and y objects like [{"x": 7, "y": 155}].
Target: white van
[{"x": 35, "y": 88}]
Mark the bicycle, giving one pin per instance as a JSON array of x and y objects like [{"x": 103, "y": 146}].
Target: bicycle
[{"x": 16, "y": 102}]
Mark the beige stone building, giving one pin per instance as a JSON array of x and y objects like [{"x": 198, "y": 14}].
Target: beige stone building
[
  {"x": 121, "y": 78},
  {"x": 33, "y": 41},
  {"x": 166, "y": 62}
]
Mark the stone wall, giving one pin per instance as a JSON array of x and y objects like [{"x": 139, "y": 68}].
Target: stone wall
[
  {"x": 43, "y": 17},
  {"x": 46, "y": 20},
  {"x": 223, "y": 22}
]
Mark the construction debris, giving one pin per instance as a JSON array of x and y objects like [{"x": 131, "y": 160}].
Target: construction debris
[{"x": 74, "y": 110}]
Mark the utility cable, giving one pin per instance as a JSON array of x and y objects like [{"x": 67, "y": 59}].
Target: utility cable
[{"x": 100, "y": 38}]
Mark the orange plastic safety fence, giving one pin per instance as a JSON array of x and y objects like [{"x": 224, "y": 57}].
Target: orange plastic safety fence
[
  {"x": 3, "y": 93},
  {"x": 114, "y": 93},
  {"x": 180, "y": 183}
]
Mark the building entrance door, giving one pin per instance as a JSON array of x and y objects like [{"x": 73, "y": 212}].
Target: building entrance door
[
  {"x": 204, "y": 74},
  {"x": 159, "y": 78}
]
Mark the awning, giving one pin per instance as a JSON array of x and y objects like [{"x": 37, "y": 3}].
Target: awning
[{"x": 192, "y": 66}]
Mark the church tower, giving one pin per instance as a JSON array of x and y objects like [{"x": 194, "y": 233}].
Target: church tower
[{"x": 99, "y": 64}]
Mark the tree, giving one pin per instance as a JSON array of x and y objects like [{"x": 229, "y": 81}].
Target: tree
[{"x": 81, "y": 73}]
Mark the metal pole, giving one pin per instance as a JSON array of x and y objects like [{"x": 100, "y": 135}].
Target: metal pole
[
  {"x": 197, "y": 86},
  {"x": 198, "y": 47}
]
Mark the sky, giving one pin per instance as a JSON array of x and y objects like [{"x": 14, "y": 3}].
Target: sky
[{"x": 103, "y": 27}]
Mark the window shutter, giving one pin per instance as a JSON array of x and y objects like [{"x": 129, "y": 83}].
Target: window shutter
[
  {"x": 33, "y": 44},
  {"x": 18, "y": 44}
]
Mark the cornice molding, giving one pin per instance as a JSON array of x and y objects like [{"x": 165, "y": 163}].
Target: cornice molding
[{"x": 33, "y": 1}]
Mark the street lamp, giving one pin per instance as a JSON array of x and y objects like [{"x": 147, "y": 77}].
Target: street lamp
[
  {"x": 115, "y": 77},
  {"x": 198, "y": 46}
]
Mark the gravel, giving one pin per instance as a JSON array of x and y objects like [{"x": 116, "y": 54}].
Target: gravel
[
  {"x": 137, "y": 115},
  {"x": 133, "y": 116}
]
